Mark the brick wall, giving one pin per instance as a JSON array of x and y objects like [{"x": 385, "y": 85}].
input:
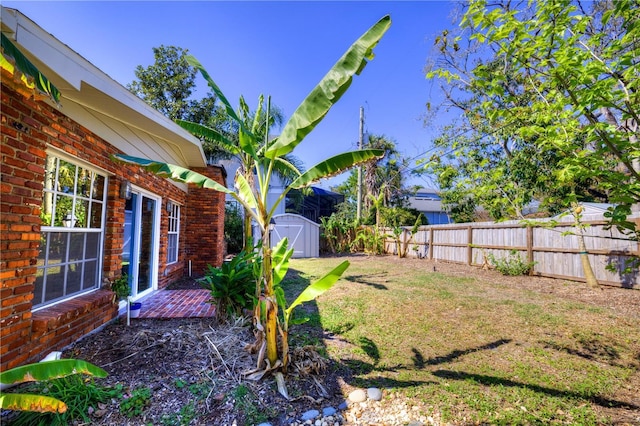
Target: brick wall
[
  {"x": 28, "y": 129},
  {"x": 205, "y": 223}
]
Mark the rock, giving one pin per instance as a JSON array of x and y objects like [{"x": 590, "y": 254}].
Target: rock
[
  {"x": 264, "y": 424},
  {"x": 309, "y": 415},
  {"x": 343, "y": 406},
  {"x": 374, "y": 394},
  {"x": 328, "y": 411},
  {"x": 357, "y": 395}
]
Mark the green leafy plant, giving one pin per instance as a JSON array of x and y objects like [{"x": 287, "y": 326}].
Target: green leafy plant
[
  {"x": 339, "y": 229},
  {"x": 81, "y": 396},
  {"x": 252, "y": 189},
  {"x": 369, "y": 239},
  {"x": 120, "y": 286},
  {"x": 232, "y": 285},
  {"x": 245, "y": 404},
  {"x": 513, "y": 264},
  {"x": 233, "y": 229},
  {"x": 136, "y": 402},
  {"x": 403, "y": 237},
  {"x": 42, "y": 372}
]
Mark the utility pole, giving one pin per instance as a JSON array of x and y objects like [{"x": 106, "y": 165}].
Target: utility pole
[{"x": 359, "y": 189}]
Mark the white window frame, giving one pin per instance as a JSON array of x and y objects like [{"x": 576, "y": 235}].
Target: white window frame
[
  {"x": 173, "y": 230},
  {"x": 48, "y": 230}
]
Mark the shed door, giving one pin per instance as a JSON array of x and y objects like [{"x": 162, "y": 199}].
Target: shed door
[{"x": 293, "y": 232}]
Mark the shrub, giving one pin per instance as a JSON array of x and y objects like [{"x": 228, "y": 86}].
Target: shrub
[
  {"x": 232, "y": 286},
  {"x": 512, "y": 264},
  {"x": 233, "y": 228}
]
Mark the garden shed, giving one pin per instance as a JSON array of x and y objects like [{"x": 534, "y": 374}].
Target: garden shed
[{"x": 303, "y": 234}]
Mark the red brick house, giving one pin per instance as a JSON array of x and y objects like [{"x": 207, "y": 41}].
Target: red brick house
[{"x": 71, "y": 219}]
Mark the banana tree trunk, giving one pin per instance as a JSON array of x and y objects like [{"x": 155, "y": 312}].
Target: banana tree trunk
[
  {"x": 582, "y": 248},
  {"x": 271, "y": 304}
]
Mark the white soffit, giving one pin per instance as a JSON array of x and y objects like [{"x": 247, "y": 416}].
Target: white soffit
[{"x": 82, "y": 84}]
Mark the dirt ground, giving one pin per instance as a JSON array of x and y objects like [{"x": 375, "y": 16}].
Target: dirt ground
[{"x": 194, "y": 366}]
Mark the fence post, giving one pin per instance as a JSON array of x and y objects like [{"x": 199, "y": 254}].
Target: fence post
[
  {"x": 469, "y": 244},
  {"x": 430, "y": 243},
  {"x": 530, "y": 247}
]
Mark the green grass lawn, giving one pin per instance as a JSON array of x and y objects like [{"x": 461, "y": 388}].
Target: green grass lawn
[{"x": 476, "y": 350}]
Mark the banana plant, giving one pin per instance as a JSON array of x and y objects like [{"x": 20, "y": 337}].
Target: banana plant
[
  {"x": 42, "y": 371},
  {"x": 263, "y": 156}
]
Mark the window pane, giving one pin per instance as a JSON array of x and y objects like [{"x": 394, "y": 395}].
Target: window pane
[
  {"x": 66, "y": 177},
  {"x": 74, "y": 278},
  {"x": 82, "y": 208},
  {"x": 90, "y": 275},
  {"x": 42, "y": 253},
  {"x": 55, "y": 283},
  {"x": 98, "y": 187},
  {"x": 83, "y": 184},
  {"x": 96, "y": 215},
  {"x": 172, "y": 241},
  {"x": 76, "y": 248},
  {"x": 92, "y": 248},
  {"x": 57, "y": 247},
  {"x": 37, "y": 292},
  {"x": 64, "y": 209},
  {"x": 46, "y": 212},
  {"x": 68, "y": 262}
]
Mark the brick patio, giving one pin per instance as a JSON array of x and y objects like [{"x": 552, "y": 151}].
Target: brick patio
[{"x": 177, "y": 304}]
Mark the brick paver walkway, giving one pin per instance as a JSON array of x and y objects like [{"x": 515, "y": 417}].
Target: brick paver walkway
[{"x": 177, "y": 304}]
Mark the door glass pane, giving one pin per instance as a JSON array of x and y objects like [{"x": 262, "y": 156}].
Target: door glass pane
[
  {"x": 147, "y": 216},
  {"x": 128, "y": 245}
]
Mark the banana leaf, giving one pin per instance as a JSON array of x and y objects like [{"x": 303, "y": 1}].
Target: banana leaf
[
  {"x": 330, "y": 89},
  {"x": 246, "y": 142},
  {"x": 335, "y": 165},
  {"x": 210, "y": 134},
  {"x": 317, "y": 288},
  {"x": 48, "y": 370},
  {"x": 280, "y": 260},
  {"x": 28, "y": 402}
]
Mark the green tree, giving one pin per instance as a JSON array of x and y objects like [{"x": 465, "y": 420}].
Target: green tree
[
  {"x": 264, "y": 155},
  {"x": 383, "y": 179},
  {"x": 562, "y": 77},
  {"x": 168, "y": 85}
]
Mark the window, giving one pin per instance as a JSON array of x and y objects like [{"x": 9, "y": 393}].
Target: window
[
  {"x": 72, "y": 217},
  {"x": 174, "y": 229}
]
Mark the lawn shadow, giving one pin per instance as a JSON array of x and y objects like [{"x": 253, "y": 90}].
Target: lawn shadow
[
  {"x": 419, "y": 362},
  {"x": 498, "y": 381},
  {"x": 592, "y": 350},
  {"x": 361, "y": 279}
]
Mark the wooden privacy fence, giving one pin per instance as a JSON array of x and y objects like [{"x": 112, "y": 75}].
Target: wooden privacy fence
[{"x": 554, "y": 253}]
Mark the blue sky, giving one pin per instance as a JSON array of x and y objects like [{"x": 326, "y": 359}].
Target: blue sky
[{"x": 281, "y": 49}]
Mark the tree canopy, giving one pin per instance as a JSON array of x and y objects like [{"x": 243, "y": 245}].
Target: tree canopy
[{"x": 548, "y": 95}]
